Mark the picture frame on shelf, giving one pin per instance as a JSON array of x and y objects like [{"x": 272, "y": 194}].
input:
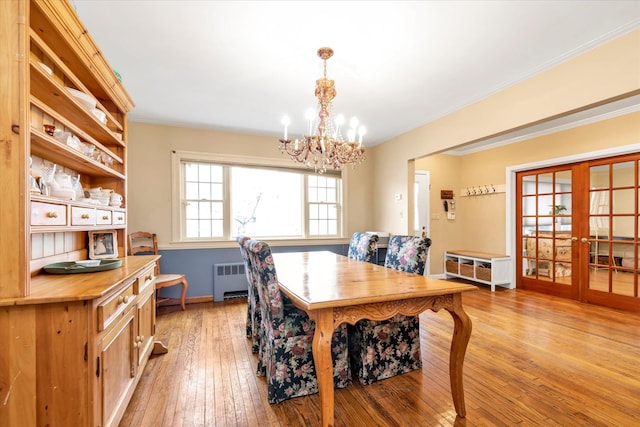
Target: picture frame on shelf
[{"x": 103, "y": 244}]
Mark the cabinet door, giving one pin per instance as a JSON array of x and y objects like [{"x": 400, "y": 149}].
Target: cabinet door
[
  {"x": 117, "y": 355},
  {"x": 146, "y": 324}
]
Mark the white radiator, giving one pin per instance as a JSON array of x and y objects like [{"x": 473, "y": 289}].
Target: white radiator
[{"x": 229, "y": 281}]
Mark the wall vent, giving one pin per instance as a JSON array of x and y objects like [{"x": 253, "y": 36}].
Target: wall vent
[{"x": 229, "y": 281}]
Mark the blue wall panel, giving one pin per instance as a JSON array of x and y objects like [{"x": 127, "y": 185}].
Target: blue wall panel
[{"x": 197, "y": 265}]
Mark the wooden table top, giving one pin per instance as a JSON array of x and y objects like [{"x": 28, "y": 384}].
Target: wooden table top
[{"x": 323, "y": 279}]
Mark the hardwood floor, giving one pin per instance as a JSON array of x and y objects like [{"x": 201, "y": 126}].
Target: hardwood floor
[{"x": 533, "y": 360}]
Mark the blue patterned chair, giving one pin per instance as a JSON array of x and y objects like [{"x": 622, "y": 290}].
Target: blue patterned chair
[
  {"x": 286, "y": 356},
  {"x": 253, "y": 302},
  {"x": 382, "y": 349},
  {"x": 362, "y": 246}
]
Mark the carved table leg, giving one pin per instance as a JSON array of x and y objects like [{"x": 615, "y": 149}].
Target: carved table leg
[
  {"x": 324, "y": 366},
  {"x": 461, "y": 334}
]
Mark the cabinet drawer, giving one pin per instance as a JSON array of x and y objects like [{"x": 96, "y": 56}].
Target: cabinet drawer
[
  {"x": 103, "y": 217},
  {"x": 144, "y": 280},
  {"x": 83, "y": 216},
  {"x": 118, "y": 218},
  {"x": 48, "y": 214},
  {"x": 114, "y": 307}
]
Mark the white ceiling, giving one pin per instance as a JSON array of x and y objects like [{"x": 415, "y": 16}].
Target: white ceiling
[{"x": 242, "y": 65}]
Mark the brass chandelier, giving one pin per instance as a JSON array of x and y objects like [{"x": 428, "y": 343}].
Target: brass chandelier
[{"x": 323, "y": 146}]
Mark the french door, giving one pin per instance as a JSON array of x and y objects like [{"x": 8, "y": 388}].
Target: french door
[{"x": 578, "y": 232}]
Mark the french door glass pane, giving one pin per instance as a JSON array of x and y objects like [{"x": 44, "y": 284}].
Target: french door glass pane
[
  {"x": 623, "y": 201},
  {"x": 623, "y": 175}
]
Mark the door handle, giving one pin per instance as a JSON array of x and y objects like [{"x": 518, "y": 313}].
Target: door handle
[
  {"x": 584, "y": 240},
  {"x": 574, "y": 239}
]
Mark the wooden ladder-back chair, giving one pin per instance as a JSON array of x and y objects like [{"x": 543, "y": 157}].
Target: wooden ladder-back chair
[{"x": 142, "y": 242}]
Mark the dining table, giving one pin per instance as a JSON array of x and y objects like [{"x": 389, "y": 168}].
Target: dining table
[{"x": 333, "y": 289}]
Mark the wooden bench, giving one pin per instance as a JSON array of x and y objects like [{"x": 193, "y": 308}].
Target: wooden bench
[{"x": 481, "y": 267}]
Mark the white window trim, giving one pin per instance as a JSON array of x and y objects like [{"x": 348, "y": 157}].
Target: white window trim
[{"x": 177, "y": 225}]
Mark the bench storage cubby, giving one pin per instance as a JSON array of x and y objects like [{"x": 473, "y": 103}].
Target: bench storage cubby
[{"x": 481, "y": 267}]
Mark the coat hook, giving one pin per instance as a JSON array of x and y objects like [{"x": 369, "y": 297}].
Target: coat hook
[{"x": 493, "y": 188}]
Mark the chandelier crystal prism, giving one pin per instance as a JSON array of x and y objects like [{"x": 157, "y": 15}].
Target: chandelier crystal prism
[{"x": 323, "y": 146}]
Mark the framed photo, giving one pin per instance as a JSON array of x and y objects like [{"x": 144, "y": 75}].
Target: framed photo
[{"x": 103, "y": 244}]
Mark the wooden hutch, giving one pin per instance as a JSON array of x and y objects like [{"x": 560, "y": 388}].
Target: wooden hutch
[{"x": 72, "y": 346}]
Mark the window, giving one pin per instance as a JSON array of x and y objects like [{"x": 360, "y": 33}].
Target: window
[
  {"x": 219, "y": 197},
  {"x": 204, "y": 201},
  {"x": 323, "y": 205}
]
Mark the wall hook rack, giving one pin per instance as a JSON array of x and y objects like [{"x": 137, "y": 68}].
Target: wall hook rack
[{"x": 482, "y": 190}]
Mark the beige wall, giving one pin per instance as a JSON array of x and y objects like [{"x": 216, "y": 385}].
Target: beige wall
[
  {"x": 149, "y": 174},
  {"x": 610, "y": 71}
]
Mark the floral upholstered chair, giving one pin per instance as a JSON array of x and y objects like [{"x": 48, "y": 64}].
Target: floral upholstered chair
[
  {"x": 362, "y": 246},
  {"x": 253, "y": 302},
  {"x": 382, "y": 349},
  {"x": 285, "y": 355}
]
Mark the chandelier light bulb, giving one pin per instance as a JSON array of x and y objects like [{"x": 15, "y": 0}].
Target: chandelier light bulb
[
  {"x": 354, "y": 123},
  {"x": 286, "y": 121}
]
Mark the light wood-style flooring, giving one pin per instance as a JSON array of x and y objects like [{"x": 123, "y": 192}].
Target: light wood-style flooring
[{"x": 532, "y": 360}]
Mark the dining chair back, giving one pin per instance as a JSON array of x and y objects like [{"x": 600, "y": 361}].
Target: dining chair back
[
  {"x": 285, "y": 356},
  {"x": 407, "y": 253},
  {"x": 363, "y": 246},
  {"x": 253, "y": 301},
  {"x": 142, "y": 242},
  {"x": 382, "y": 349}
]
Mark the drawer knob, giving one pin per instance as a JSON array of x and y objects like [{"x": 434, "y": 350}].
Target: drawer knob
[
  {"x": 84, "y": 216},
  {"x": 120, "y": 218},
  {"x": 105, "y": 217},
  {"x": 52, "y": 214},
  {"x": 125, "y": 299}
]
